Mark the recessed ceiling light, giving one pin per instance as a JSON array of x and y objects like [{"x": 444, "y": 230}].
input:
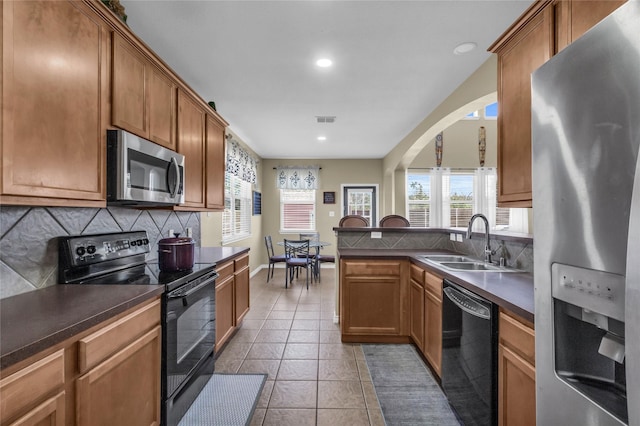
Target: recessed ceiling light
[
  {"x": 465, "y": 47},
  {"x": 324, "y": 62},
  {"x": 322, "y": 138}
]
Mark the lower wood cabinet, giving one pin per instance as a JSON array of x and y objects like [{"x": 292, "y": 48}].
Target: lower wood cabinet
[
  {"x": 516, "y": 372},
  {"x": 35, "y": 394},
  {"x": 374, "y": 295},
  {"x": 232, "y": 297},
  {"x": 416, "y": 306},
  {"x": 109, "y": 375},
  {"x": 433, "y": 321}
]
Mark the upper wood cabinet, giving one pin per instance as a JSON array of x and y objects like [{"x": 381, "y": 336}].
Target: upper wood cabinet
[
  {"x": 215, "y": 163},
  {"x": 544, "y": 29},
  {"x": 55, "y": 93},
  {"x": 144, "y": 97},
  {"x": 526, "y": 47},
  {"x": 191, "y": 143},
  {"x": 574, "y": 18}
]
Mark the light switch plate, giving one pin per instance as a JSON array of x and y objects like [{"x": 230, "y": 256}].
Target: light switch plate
[
  {"x": 459, "y": 237},
  {"x": 332, "y": 214},
  {"x": 376, "y": 234}
]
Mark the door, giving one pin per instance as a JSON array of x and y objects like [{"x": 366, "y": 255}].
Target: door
[{"x": 360, "y": 200}]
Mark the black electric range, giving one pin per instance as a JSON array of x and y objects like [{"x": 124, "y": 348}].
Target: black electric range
[{"x": 188, "y": 307}]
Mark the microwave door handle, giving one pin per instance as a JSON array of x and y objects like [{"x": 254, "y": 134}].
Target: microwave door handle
[{"x": 173, "y": 177}]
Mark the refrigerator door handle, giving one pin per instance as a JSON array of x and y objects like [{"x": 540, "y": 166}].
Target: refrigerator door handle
[{"x": 632, "y": 302}]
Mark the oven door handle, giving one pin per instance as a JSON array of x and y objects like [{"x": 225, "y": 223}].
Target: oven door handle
[
  {"x": 182, "y": 294},
  {"x": 467, "y": 304}
]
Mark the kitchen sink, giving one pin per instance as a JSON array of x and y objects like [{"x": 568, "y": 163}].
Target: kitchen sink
[
  {"x": 471, "y": 266},
  {"x": 439, "y": 258},
  {"x": 463, "y": 263}
]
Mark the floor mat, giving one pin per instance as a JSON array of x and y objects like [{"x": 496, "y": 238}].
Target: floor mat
[
  {"x": 226, "y": 400},
  {"x": 407, "y": 392}
]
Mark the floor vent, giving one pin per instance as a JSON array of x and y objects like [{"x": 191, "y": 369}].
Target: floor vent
[{"x": 325, "y": 118}]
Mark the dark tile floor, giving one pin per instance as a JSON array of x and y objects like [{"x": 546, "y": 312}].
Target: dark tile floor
[{"x": 313, "y": 378}]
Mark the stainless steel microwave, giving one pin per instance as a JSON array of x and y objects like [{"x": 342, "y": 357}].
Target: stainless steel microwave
[{"x": 140, "y": 172}]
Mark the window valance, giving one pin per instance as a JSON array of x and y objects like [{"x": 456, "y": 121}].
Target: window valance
[
  {"x": 298, "y": 177},
  {"x": 240, "y": 163}
]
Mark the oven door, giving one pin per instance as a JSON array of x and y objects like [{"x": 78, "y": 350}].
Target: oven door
[{"x": 190, "y": 331}]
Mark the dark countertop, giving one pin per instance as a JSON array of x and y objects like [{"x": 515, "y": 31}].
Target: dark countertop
[
  {"x": 510, "y": 290},
  {"x": 218, "y": 254},
  {"x": 34, "y": 321}
]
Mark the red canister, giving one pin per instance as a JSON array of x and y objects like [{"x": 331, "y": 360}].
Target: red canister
[{"x": 176, "y": 254}]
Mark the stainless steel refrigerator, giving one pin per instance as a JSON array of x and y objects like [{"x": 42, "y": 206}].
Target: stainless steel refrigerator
[{"x": 586, "y": 208}]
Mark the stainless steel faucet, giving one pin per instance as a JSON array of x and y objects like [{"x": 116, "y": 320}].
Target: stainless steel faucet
[{"x": 487, "y": 246}]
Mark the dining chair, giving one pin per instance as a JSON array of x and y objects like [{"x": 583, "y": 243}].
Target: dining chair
[
  {"x": 273, "y": 258},
  {"x": 314, "y": 251},
  {"x": 394, "y": 221},
  {"x": 297, "y": 256},
  {"x": 353, "y": 221}
]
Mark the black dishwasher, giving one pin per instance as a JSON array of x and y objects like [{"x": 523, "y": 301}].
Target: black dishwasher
[{"x": 470, "y": 355}]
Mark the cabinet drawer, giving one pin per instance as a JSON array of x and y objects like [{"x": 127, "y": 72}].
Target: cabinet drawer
[
  {"x": 241, "y": 262},
  {"x": 30, "y": 385},
  {"x": 433, "y": 284},
  {"x": 98, "y": 346},
  {"x": 417, "y": 274},
  {"x": 517, "y": 336},
  {"x": 372, "y": 268},
  {"x": 224, "y": 270}
]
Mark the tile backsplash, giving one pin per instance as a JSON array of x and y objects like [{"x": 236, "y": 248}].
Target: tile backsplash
[
  {"x": 517, "y": 252},
  {"x": 28, "y": 245}
]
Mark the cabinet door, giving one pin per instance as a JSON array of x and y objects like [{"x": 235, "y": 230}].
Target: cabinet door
[
  {"x": 577, "y": 17},
  {"x": 242, "y": 295},
  {"x": 27, "y": 393},
  {"x": 225, "y": 318},
  {"x": 516, "y": 390},
  {"x": 50, "y": 413},
  {"x": 129, "y": 87},
  {"x": 372, "y": 305},
  {"x": 191, "y": 144},
  {"x": 416, "y": 321},
  {"x": 54, "y": 98},
  {"x": 162, "y": 108},
  {"x": 433, "y": 330},
  {"x": 529, "y": 48},
  {"x": 215, "y": 164},
  {"x": 124, "y": 389}
]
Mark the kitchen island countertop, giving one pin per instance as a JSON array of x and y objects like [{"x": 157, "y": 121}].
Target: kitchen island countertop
[{"x": 510, "y": 290}]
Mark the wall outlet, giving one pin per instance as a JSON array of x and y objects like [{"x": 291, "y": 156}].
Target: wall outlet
[
  {"x": 376, "y": 235},
  {"x": 170, "y": 233},
  {"x": 332, "y": 214},
  {"x": 452, "y": 236},
  {"x": 459, "y": 237},
  {"x": 190, "y": 232}
]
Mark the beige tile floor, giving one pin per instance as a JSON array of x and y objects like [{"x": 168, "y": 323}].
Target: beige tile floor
[{"x": 313, "y": 378}]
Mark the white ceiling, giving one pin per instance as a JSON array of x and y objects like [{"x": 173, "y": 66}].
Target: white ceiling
[{"x": 393, "y": 64}]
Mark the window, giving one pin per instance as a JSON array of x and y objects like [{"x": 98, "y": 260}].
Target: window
[
  {"x": 443, "y": 198},
  {"x": 491, "y": 111},
  {"x": 361, "y": 201},
  {"x": 419, "y": 198},
  {"x": 471, "y": 116},
  {"x": 460, "y": 193},
  {"x": 236, "y": 218},
  {"x": 297, "y": 210}
]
